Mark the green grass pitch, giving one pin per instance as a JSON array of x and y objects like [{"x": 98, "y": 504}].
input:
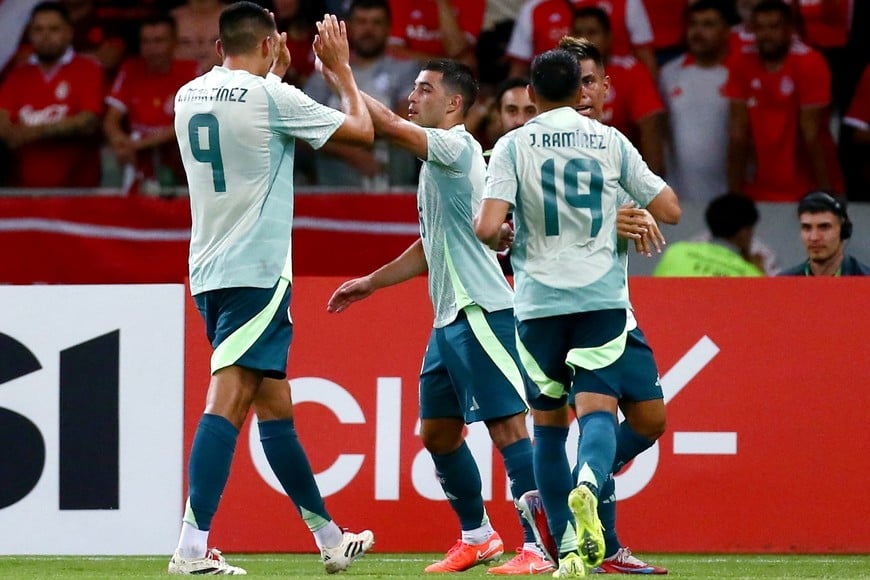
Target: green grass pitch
[{"x": 400, "y": 566}]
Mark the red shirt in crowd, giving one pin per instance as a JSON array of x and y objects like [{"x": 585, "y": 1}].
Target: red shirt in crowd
[
  {"x": 542, "y": 23},
  {"x": 633, "y": 95},
  {"x": 825, "y": 22},
  {"x": 33, "y": 97},
  {"x": 148, "y": 99},
  {"x": 774, "y": 100},
  {"x": 668, "y": 21},
  {"x": 416, "y": 25}
]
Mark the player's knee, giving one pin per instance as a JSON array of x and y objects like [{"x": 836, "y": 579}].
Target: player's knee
[{"x": 505, "y": 431}]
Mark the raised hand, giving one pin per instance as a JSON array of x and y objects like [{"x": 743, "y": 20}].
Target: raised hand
[{"x": 330, "y": 42}]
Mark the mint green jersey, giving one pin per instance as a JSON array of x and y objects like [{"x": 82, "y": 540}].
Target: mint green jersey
[
  {"x": 237, "y": 132},
  {"x": 462, "y": 271},
  {"x": 562, "y": 173}
]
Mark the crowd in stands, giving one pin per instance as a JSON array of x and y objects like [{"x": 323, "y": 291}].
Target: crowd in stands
[{"x": 767, "y": 98}]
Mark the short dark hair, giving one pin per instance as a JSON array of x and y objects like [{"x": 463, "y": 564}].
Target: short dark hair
[
  {"x": 729, "y": 213},
  {"x": 582, "y": 49},
  {"x": 594, "y": 12},
  {"x": 242, "y": 26},
  {"x": 507, "y": 85},
  {"x": 160, "y": 20},
  {"x": 725, "y": 9},
  {"x": 370, "y": 5},
  {"x": 457, "y": 77},
  {"x": 555, "y": 75},
  {"x": 56, "y": 7},
  {"x": 779, "y": 6}
]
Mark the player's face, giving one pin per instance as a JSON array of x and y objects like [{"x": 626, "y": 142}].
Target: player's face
[
  {"x": 49, "y": 35},
  {"x": 516, "y": 108},
  {"x": 428, "y": 102},
  {"x": 368, "y": 30},
  {"x": 772, "y": 35},
  {"x": 157, "y": 45},
  {"x": 593, "y": 90},
  {"x": 707, "y": 35},
  {"x": 590, "y": 29},
  {"x": 820, "y": 233}
]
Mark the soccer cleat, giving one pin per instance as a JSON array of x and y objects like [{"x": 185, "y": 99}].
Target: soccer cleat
[
  {"x": 622, "y": 562},
  {"x": 213, "y": 564},
  {"x": 570, "y": 566},
  {"x": 463, "y": 556},
  {"x": 351, "y": 547},
  {"x": 526, "y": 562},
  {"x": 590, "y": 532},
  {"x": 532, "y": 510}
]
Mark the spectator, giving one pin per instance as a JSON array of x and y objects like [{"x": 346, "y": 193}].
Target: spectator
[
  {"x": 666, "y": 17},
  {"x": 142, "y": 100},
  {"x": 633, "y": 104},
  {"x": 780, "y": 93},
  {"x": 513, "y": 104},
  {"x": 423, "y": 29},
  {"x": 542, "y": 23},
  {"x": 386, "y": 79},
  {"x": 50, "y": 107},
  {"x": 95, "y": 35},
  {"x": 731, "y": 219},
  {"x": 691, "y": 86},
  {"x": 825, "y": 228},
  {"x": 197, "y": 25},
  {"x": 298, "y": 18},
  {"x": 498, "y": 24},
  {"x": 855, "y": 142}
]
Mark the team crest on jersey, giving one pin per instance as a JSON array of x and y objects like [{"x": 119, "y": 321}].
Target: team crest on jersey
[
  {"x": 755, "y": 84},
  {"x": 62, "y": 91},
  {"x": 786, "y": 86}
]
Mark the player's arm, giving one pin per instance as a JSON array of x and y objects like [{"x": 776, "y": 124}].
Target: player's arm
[
  {"x": 489, "y": 224},
  {"x": 402, "y": 132},
  {"x": 738, "y": 144},
  {"x": 330, "y": 46},
  {"x": 453, "y": 38},
  {"x": 665, "y": 207},
  {"x": 811, "y": 119},
  {"x": 411, "y": 263}
]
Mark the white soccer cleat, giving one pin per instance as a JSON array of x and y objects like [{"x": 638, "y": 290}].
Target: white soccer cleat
[
  {"x": 213, "y": 564},
  {"x": 352, "y": 546}
]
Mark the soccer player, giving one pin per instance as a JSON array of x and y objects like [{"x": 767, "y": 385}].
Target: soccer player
[
  {"x": 236, "y": 127},
  {"x": 471, "y": 370},
  {"x": 561, "y": 173}
]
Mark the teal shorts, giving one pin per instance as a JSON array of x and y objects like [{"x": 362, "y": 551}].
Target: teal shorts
[
  {"x": 471, "y": 369},
  {"x": 587, "y": 352},
  {"x": 249, "y": 327}
]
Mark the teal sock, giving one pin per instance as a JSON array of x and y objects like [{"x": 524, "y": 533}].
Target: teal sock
[
  {"x": 209, "y": 468},
  {"x": 597, "y": 448},
  {"x": 629, "y": 444},
  {"x": 460, "y": 480},
  {"x": 553, "y": 477},
  {"x": 291, "y": 467},
  {"x": 518, "y": 462},
  {"x": 607, "y": 515}
]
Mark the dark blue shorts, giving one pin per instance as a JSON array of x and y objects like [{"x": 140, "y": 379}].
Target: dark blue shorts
[
  {"x": 587, "y": 352},
  {"x": 471, "y": 369},
  {"x": 249, "y": 327}
]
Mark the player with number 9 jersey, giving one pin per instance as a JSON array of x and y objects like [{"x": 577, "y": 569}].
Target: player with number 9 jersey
[
  {"x": 560, "y": 171},
  {"x": 226, "y": 120}
]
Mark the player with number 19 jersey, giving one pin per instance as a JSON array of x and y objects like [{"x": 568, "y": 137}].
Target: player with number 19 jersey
[
  {"x": 564, "y": 254},
  {"x": 224, "y": 121}
]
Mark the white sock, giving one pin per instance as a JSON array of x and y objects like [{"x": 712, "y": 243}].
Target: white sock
[
  {"x": 478, "y": 535},
  {"x": 329, "y": 536},
  {"x": 193, "y": 542},
  {"x": 532, "y": 547}
]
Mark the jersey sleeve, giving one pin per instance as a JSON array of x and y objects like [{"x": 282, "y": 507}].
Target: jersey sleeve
[
  {"x": 444, "y": 147},
  {"x": 398, "y": 10},
  {"x": 298, "y": 115},
  {"x": 735, "y": 87},
  {"x": 520, "y": 44},
  {"x": 814, "y": 81},
  {"x": 118, "y": 94},
  {"x": 501, "y": 174},
  {"x": 635, "y": 176},
  {"x": 640, "y": 31},
  {"x": 92, "y": 86}
]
